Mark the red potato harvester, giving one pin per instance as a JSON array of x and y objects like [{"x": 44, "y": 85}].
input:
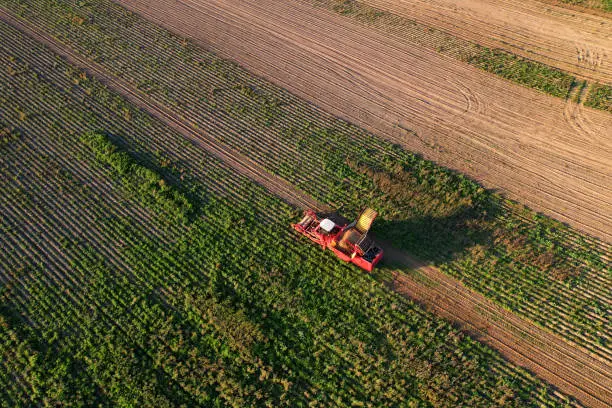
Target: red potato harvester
[{"x": 350, "y": 242}]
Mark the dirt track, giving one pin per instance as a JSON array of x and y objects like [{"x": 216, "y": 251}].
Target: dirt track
[
  {"x": 568, "y": 367},
  {"x": 549, "y": 357},
  {"x": 550, "y": 155},
  {"x": 575, "y": 41}
]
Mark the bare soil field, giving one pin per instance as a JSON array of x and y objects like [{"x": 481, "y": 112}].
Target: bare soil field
[
  {"x": 569, "y": 368},
  {"x": 575, "y": 41},
  {"x": 543, "y": 151}
]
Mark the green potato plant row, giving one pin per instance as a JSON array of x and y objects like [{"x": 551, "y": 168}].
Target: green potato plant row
[
  {"x": 605, "y": 5},
  {"x": 107, "y": 301},
  {"x": 146, "y": 181},
  {"x": 526, "y": 262},
  {"x": 600, "y": 97}
]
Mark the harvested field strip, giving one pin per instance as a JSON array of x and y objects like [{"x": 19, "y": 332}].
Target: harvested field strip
[
  {"x": 128, "y": 307},
  {"x": 568, "y": 300},
  {"x": 502, "y": 44}
]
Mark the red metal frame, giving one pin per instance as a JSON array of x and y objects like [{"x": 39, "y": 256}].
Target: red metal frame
[{"x": 310, "y": 227}]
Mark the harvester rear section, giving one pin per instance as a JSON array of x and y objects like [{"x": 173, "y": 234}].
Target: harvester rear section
[{"x": 350, "y": 242}]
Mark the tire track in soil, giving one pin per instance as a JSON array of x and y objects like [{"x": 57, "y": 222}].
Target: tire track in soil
[
  {"x": 521, "y": 144},
  {"x": 568, "y": 367},
  {"x": 575, "y": 41}
]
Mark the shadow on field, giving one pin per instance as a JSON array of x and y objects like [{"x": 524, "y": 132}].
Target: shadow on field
[{"x": 438, "y": 239}]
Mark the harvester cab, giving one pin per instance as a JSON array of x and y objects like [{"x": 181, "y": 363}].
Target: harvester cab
[{"x": 350, "y": 242}]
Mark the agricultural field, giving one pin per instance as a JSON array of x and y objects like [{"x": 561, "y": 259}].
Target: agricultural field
[
  {"x": 534, "y": 148},
  {"x": 142, "y": 270},
  {"x": 499, "y": 36},
  {"x": 559, "y": 277},
  {"x": 605, "y": 5},
  {"x": 138, "y": 270}
]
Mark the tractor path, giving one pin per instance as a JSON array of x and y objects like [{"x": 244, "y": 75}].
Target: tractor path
[
  {"x": 511, "y": 138},
  {"x": 576, "y": 41},
  {"x": 568, "y": 367}
]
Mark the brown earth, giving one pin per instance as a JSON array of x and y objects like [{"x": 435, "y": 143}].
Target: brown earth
[
  {"x": 575, "y": 41},
  {"x": 568, "y": 367},
  {"x": 538, "y": 149}
]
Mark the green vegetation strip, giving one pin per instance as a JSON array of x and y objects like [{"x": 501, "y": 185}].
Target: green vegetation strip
[
  {"x": 139, "y": 178},
  {"x": 528, "y": 263},
  {"x": 605, "y": 5},
  {"x": 523, "y": 71},
  {"x": 107, "y": 301},
  {"x": 600, "y": 97}
]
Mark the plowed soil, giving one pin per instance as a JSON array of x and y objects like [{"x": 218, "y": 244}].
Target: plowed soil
[
  {"x": 571, "y": 369},
  {"x": 542, "y": 151},
  {"x": 575, "y": 41}
]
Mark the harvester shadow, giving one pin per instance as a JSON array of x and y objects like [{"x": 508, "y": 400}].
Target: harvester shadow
[
  {"x": 433, "y": 241},
  {"x": 436, "y": 240}
]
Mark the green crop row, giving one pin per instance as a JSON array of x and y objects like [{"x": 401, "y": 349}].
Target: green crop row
[
  {"x": 525, "y": 72},
  {"x": 600, "y": 97},
  {"x": 145, "y": 181},
  {"x": 104, "y": 302},
  {"x": 528, "y": 263},
  {"x": 596, "y": 4}
]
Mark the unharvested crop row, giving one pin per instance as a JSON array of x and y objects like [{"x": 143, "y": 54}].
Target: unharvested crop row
[
  {"x": 600, "y": 97},
  {"x": 419, "y": 202},
  {"x": 70, "y": 226},
  {"x": 119, "y": 298},
  {"x": 116, "y": 298},
  {"x": 605, "y": 5}
]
